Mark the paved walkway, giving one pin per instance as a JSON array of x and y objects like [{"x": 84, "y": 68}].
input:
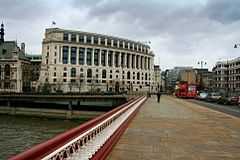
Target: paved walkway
[{"x": 176, "y": 129}]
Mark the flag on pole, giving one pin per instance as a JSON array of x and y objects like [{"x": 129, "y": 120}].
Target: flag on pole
[{"x": 53, "y": 23}]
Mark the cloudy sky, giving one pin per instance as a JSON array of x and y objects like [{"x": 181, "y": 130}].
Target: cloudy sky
[{"x": 181, "y": 32}]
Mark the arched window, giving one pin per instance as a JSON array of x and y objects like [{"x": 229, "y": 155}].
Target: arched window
[
  {"x": 73, "y": 72},
  {"x": 104, "y": 74},
  {"x": 7, "y": 71},
  {"x": 89, "y": 73},
  {"x": 138, "y": 76},
  {"x": 145, "y": 76},
  {"x": 128, "y": 75}
]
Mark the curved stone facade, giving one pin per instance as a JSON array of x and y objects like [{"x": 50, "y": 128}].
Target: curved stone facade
[{"x": 75, "y": 61}]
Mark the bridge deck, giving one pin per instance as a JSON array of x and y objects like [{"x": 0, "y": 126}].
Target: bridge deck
[{"x": 176, "y": 129}]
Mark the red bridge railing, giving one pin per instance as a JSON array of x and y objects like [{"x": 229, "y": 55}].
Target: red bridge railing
[{"x": 91, "y": 140}]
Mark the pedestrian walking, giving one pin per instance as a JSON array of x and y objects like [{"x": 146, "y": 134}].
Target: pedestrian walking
[{"x": 158, "y": 96}]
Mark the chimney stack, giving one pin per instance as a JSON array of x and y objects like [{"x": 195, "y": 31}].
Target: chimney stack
[{"x": 23, "y": 47}]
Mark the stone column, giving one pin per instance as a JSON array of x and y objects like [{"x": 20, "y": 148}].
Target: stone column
[
  {"x": 69, "y": 55},
  {"x": 92, "y": 57},
  {"x": 135, "y": 61},
  {"x": 145, "y": 63},
  {"x": 125, "y": 60},
  {"x": 119, "y": 59},
  {"x": 77, "y": 56},
  {"x": 130, "y": 60},
  {"x": 100, "y": 57},
  {"x": 85, "y": 56},
  {"x": 113, "y": 59},
  {"x": 106, "y": 58}
]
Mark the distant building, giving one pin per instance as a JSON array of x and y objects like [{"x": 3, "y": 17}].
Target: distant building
[
  {"x": 204, "y": 79},
  {"x": 188, "y": 75},
  {"x": 172, "y": 76},
  {"x": 35, "y": 68},
  {"x": 227, "y": 75},
  {"x": 14, "y": 66},
  {"x": 157, "y": 79},
  {"x": 76, "y": 61}
]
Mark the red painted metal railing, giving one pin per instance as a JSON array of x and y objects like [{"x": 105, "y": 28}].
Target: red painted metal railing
[{"x": 44, "y": 149}]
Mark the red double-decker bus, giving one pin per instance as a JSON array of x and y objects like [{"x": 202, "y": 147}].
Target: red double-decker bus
[{"x": 185, "y": 90}]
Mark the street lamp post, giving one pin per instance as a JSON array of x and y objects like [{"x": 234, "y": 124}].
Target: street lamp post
[{"x": 201, "y": 63}]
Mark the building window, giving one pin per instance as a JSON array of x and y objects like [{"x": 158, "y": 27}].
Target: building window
[
  {"x": 65, "y": 36},
  {"x": 96, "y": 54},
  {"x": 54, "y": 80},
  {"x": 128, "y": 75},
  {"x": 7, "y": 71},
  {"x": 73, "y": 38},
  {"x": 65, "y": 54},
  {"x": 89, "y": 56},
  {"x": 89, "y": 39},
  {"x": 64, "y": 80},
  {"x": 89, "y": 73},
  {"x": 65, "y": 74},
  {"x": 115, "y": 43},
  {"x": 73, "y": 55},
  {"x": 95, "y": 40},
  {"x": 102, "y": 41},
  {"x": 138, "y": 76},
  {"x": 54, "y": 74},
  {"x": 131, "y": 46},
  {"x": 116, "y": 59},
  {"x": 55, "y": 54},
  {"x": 4, "y": 51},
  {"x": 81, "y": 38},
  {"x": 146, "y": 76},
  {"x": 73, "y": 72},
  {"x": 103, "y": 57},
  {"x": 55, "y": 61},
  {"x": 133, "y": 61},
  {"x": 128, "y": 60},
  {"x": 109, "y": 42},
  {"x": 110, "y": 54},
  {"x": 121, "y": 44},
  {"x": 110, "y": 76},
  {"x": 81, "y": 56},
  {"x": 65, "y": 68},
  {"x": 135, "y": 47},
  {"x": 104, "y": 74},
  {"x": 122, "y": 59}
]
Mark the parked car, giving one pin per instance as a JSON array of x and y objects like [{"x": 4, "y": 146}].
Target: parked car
[
  {"x": 234, "y": 100},
  {"x": 213, "y": 97},
  {"x": 202, "y": 96}
]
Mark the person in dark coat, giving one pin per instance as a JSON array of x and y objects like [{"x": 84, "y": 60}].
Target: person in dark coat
[{"x": 158, "y": 96}]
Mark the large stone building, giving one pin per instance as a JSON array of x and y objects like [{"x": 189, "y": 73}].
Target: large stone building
[
  {"x": 75, "y": 61},
  {"x": 14, "y": 66},
  {"x": 227, "y": 75}
]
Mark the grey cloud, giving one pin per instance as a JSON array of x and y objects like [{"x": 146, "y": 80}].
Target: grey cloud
[
  {"x": 23, "y": 10},
  {"x": 188, "y": 29},
  {"x": 224, "y": 11}
]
